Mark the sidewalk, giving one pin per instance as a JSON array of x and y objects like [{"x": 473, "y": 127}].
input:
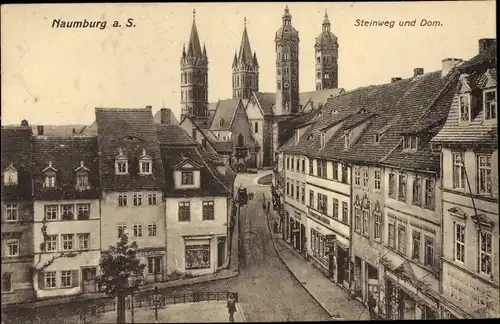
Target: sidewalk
[
  {"x": 331, "y": 297},
  {"x": 202, "y": 312},
  {"x": 233, "y": 271}
]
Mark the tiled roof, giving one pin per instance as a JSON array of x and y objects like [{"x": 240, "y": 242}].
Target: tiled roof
[
  {"x": 223, "y": 146},
  {"x": 316, "y": 99},
  {"x": 210, "y": 185},
  {"x": 477, "y": 131},
  {"x": 225, "y": 113},
  {"x": 399, "y": 105},
  {"x": 267, "y": 100},
  {"x": 131, "y": 130},
  {"x": 90, "y": 130},
  {"x": 487, "y": 55},
  {"x": 57, "y": 130},
  {"x": 286, "y": 128},
  {"x": 174, "y": 135},
  {"x": 16, "y": 144},
  {"x": 65, "y": 155}
]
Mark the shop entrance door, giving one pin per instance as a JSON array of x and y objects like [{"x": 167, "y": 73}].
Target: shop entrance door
[
  {"x": 302, "y": 237},
  {"x": 221, "y": 251},
  {"x": 88, "y": 279}
]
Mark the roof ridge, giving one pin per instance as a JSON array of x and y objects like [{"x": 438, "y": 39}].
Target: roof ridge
[
  {"x": 123, "y": 109},
  {"x": 210, "y": 170}
]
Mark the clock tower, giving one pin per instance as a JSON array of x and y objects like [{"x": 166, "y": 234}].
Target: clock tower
[{"x": 287, "y": 68}]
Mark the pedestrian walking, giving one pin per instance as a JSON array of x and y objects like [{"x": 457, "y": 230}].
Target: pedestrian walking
[
  {"x": 371, "y": 306},
  {"x": 231, "y": 307},
  {"x": 268, "y": 206}
]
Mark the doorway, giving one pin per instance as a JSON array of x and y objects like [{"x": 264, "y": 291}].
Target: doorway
[
  {"x": 155, "y": 269},
  {"x": 221, "y": 251},
  {"x": 342, "y": 269},
  {"x": 302, "y": 238},
  {"x": 89, "y": 284}
]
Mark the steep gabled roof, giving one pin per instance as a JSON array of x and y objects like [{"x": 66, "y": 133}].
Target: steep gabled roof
[
  {"x": 174, "y": 135},
  {"x": 16, "y": 150},
  {"x": 210, "y": 184},
  {"x": 157, "y": 117},
  {"x": 267, "y": 100},
  {"x": 477, "y": 131},
  {"x": 316, "y": 99},
  {"x": 131, "y": 130},
  {"x": 224, "y": 115},
  {"x": 65, "y": 156},
  {"x": 399, "y": 105}
]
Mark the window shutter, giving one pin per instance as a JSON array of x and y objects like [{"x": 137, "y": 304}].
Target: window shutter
[
  {"x": 41, "y": 280},
  {"x": 74, "y": 278}
]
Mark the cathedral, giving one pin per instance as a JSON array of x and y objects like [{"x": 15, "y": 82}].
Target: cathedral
[{"x": 241, "y": 128}]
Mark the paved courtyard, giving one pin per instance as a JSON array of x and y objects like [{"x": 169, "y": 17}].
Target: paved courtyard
[{"x": 203, "y": 312}]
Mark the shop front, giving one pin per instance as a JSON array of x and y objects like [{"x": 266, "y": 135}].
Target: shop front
[
  {"x": 297, "y": 231},
  {"x": 154, "y": 260},
  {"x": 342, "y": 264},
  {"x": 404, "y": 301}
]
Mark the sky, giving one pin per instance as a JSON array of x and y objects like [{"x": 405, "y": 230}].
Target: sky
[{"x": 58, "y": 76}]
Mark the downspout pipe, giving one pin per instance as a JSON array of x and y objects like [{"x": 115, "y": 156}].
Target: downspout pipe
[{"x": 351, "y": 254}]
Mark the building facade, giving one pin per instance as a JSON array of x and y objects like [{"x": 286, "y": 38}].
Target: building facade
[
  {"x": 17, "y": 214},
  {"x": 197, "y": 207},
  {"x": 66, "y": 231},
  {"x": 245, "y": 69},
  {"x": 132, "y": 183},
  {"x": 468, "y": 144}
]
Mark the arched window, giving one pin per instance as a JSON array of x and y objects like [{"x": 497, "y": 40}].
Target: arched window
[
  {"x": 279, "y": 71},
  {"x": 182, "y": 96},
  {"x": 189, "y": 77},
  {"x": 256, "y": 127},
  {"x": 278, "y": 85},
  {"x": 221, "y": 122},
  {"x": 241, "y": 140},
  {"x": 190, "y": 94}
]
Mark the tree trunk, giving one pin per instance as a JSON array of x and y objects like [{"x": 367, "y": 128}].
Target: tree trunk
[{"x": 120, "y": 309}]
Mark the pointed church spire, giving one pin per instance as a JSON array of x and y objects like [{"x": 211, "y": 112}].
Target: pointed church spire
[
  {"x": 183, "y": 50},
  {"x": 245, "y": 54},
  {"x": 326, "y": 22},
  {"x": 204, "y": 51},
  {"x": 194, "y": 48},
  {"x": 255, "y": 62},
  {"x": 235, "y": 59}
]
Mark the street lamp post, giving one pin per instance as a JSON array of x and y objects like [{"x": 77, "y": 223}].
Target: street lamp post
[{"x": 156, "y": 301}]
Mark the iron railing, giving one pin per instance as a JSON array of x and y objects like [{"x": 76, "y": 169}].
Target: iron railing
[{"x": 86, "y": 316}]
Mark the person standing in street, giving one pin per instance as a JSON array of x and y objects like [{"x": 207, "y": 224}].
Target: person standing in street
[
  {"x": 231, "y": 307},
  {"x": 371, "y": 306}
]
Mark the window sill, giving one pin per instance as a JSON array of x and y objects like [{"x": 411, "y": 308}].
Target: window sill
[
  {"x": 12, "y": 221},
  {"x": 122, "y": 173},
  {"x": 7, "y": 292}
]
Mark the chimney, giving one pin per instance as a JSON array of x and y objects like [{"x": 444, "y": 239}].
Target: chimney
[
  {"x": 74, "y": 130},
  {"x": 165, "y": 116},
  {"x": 40, "y": 130},
  {"x": 24, "y": 123},
  {"x": 395, "y": 79},
  {"x": 417, "y": 72},
  {"x": 149, "y": 107},
  {"x": 486, "y": 44},
  {"x": 448, "y": 64}
]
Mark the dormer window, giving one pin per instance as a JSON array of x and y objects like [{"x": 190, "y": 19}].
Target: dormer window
[
  {"x": 490, "y": 104},
  {"x": 10, "y": 176},
  {"x": 82, "y": 177},
  {"x": 187, "y": 178},
  {"x": 310, "y": 137},
  {"x": 121, "y": 163},
  {"x": 221, "y": 122},
  {"x": 49, "y": 176},
  {"x": 410, "y": 143},
  {"x": 464, "y": 106},
  {"x": 322, "y": 139},
  {"x": 376, "y": 138},
  {"x": 145, "y": 163}
]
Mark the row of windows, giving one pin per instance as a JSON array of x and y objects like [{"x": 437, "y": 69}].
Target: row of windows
[
  {"x": 82, "y": 180},
  {"x": 297, "y": 190},
  {"x": 138, "y": 229},
  {"x": 67, "y": 242},
  {"x": 484, "y": 256},
  {"x": 484, "y": 176},
  {"x": 189, "y": 95},
  {"x": 286, "y": 70},
  {"x": 66, "y": 212},
  {"x": 489, "y": 106},
  {"x": 245, "y": 80},
  {"x": 122, "y": 167},
  {"x": 422, "y": 248},
  {"x": 185, "y": 211},
  {"x": 194, "y": 77},
  {"x": 318, "y": 246},
  {"x": 339, "y": 170},
  {"x": 67, "y": 279},
  {"x": 423, "y": 190},
  {"x": 137, "y": 199}
]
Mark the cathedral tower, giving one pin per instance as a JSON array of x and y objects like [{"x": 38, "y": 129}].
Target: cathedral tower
[
  {"x": 194, "y": 77},
  {"x": 245, "y": 69},
  {"x": 287, "y": 67},
  {"x": 327, "y": 53}
]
